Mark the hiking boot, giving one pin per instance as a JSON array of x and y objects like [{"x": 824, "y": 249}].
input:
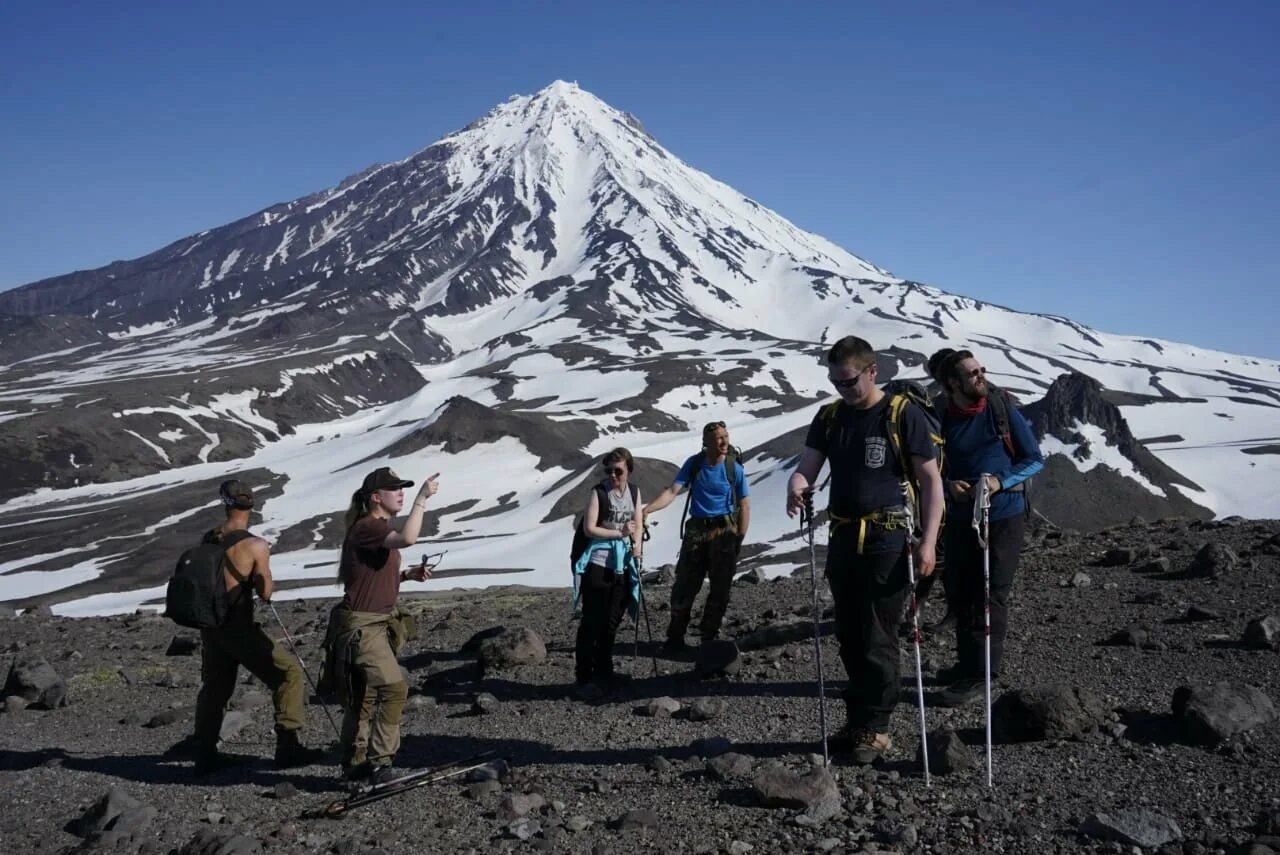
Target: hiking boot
[
  {"x": 844, "y": 738},
  {"x": 870, "y": 747},
  {"x": 291, "y": 753},
  {"x": 962, "y": 691},
  {"x": 947, "y": 621},
  {"x": 357, "y": 772},
  {"x": 589, "y": 693},
  {"x": 385, "y": 773}
]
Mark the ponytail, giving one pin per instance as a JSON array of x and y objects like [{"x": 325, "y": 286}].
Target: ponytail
[{"x": 355, "y": 512}]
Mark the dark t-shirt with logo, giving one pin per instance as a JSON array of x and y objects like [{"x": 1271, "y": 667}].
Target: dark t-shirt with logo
[
  {"x": 372, "y": 569},
  {"x": 864, "y": 468}
]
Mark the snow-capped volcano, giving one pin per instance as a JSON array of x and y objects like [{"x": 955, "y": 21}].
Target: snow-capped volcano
[{"x": 544, "y": 284}]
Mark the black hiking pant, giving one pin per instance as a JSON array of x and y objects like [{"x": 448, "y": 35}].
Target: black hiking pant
[
  {"x": 704, "y": 552},
  {"x": 604, "y": 600},
  {"x": 869, "y": 591},
  {"x": 964, "y": 565}
]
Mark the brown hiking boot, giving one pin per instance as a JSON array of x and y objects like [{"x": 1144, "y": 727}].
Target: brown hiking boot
[
  {"x": 290, "y": 752},
  {"x": 869, "y": 747}
]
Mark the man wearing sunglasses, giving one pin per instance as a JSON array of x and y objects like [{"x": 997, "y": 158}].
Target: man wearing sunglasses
[
  {"x": 976, "y": 446},
  {"x": 867, "y": 550},
  {"x": 719, "y": 508}
]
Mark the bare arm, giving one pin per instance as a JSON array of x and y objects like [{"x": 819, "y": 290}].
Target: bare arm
[
  {"x": 408, "y": 533},
  {"x": 665, "y": 498},
  {"x": 637, "y": 533},
  {"x": 744, "y": 516},
  {"x": 802, "y": 480},
  {"x": 931, "y": 501},
  {"x": 262, "y": 581}
]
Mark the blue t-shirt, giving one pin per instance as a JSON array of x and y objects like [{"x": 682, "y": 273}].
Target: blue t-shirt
[{"x": 710, "y": 493}]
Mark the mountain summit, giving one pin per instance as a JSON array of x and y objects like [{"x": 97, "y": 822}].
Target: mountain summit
[{"x": 552, "y": 269}]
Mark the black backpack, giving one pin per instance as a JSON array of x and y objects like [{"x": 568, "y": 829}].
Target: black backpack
[
  {"x": 901, "y": 393},
  {"x": 731, "y": 458},
  {"x": 1000, "y": 401},
  {"x": 196, "y": 596},
  {"x": 580, "y": 539}
]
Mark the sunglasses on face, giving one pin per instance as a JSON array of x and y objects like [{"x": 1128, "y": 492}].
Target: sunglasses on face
[
  {"x": 615, "y": 471},
  {"x": 974, "y": 374},
  {"x": 852, "y": 381}
]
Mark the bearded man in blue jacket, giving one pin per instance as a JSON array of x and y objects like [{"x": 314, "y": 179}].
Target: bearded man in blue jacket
[{"x": 975, "y": 447}]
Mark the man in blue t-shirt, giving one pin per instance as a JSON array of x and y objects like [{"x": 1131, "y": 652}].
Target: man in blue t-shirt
[
  {"x": 975, "y": 447},
  {"x": 719, "y": 515}
]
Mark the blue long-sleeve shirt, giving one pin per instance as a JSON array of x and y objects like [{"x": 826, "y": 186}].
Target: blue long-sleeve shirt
[{"x": 974, "y": 447}]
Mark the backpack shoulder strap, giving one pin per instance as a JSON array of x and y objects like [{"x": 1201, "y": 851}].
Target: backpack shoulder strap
[
  {"x": 731, "y": 465},
  {"x": 999, "y": 403},
  {"x": 893, "y": 416},
  {"x": 602, "y": 502},
  {"x": 828, "y": 415}
]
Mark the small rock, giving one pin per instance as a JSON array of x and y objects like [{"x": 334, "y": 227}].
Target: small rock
[
  {"x": 511, "y": 647},
  {"x": 662, "y": 707},
  {"x": 1118, "y": 557},
  {"x": 577, "y": 823},
  {"x": 728, "y": 766},
  {"x": 515, "y": 805},
  {"x": 1213, "y": 560},
  {"x": 1081, "y": 580},
  {"x": 421, "y": 703},
  {"x": 718, "y": 658},
  {"x": 34, "y": 680},
  {"x": 38, "y": 612},
  {"x": 481, "y": 789},
  {"x": 1199, "y": 613},
  {"x": 948, "y": 753},
  {"x": 524, "y": 828},
  {"x": 168, "y": 717},
  {"x": 1133, "y": 827},
  {"x": 1156, "y": 565},
  {"x": 658, "y": 763},
  {"x": 775, "y": 635},
  {"x": 1263, "y": 633},
  {"x": 233, "y": 722},
  {"x": 1209, "y": 715},
  {"x": 754, "y": 576},
  {"x": 15, "y": 703},
  {"x": 1133, "y": 636},
  {"x": 739, "y": 847},
  {"x": 484, "y": 703},
  {"x": 706, "y": 709}
]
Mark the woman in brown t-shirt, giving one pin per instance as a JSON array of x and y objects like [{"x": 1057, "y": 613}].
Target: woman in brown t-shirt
[{"x": 370, "y": 575}]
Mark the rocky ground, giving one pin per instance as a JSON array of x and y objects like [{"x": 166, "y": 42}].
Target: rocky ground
[{"x": 1098, "y": 749}]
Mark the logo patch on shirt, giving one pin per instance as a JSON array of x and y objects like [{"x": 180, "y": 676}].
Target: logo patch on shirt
[{"x": 876, "y": 450}]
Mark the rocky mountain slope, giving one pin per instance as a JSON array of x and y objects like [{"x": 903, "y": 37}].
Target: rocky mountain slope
[{"x": 1106, "y": 630}]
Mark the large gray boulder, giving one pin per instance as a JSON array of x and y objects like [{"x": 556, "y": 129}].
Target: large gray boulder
[
  {"x": 1046, "y": 712},
  {"x": 815, "y": 791},
  {"x": 511, "y": 647},
  {"x": 34, "y": 680},
  {"x": 1263, "y": 633},
  {"x": 1132, "y": 827},
  {"x": 1208, "y": 715}
]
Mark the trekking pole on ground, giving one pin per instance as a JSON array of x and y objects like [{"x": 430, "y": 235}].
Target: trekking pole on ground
[
  {"x": 982, "y": 525},
  {"x": 806, "y": 522},
  {"x": 644, "y": 607},
  {"x": 915, "y": 629},
  {"x": 306, "y": 673}
]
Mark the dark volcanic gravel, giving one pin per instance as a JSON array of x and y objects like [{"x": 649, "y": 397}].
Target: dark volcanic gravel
[{"x": 606, "y": 776}]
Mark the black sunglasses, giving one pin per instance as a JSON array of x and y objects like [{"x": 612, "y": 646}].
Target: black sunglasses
[
  {"x": 616, "y": 471},
  {"x": 852, "y": 381},
  {"x": 975, "y": 373}
]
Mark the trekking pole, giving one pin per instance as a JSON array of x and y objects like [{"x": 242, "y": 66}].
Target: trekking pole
[
  {"x": 806, "y": 522},
  {"x": 915, "y": 629},
  {"x": 982, "y": 525},
  {"x": 644, "y": 606},
  {"x": 305, "y": 672}
]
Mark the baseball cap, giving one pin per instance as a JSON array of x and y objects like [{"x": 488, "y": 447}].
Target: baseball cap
[
  {"x": 236, "y": 494},
  {"x": 383, "y": 479}
]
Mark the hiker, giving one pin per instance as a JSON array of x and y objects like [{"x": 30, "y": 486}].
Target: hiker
[
  {"x": 239, "y": 640},
  {"x": 607, "y": 571},
  {"x": 976, "y": 444},
  {"x": 867, "y": 551},
  {"x": 719, "y": 511},
  {"x": 365, "y": 634}
]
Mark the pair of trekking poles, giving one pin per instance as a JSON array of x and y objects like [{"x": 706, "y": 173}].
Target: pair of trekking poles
[{"x": 981, "y": 525}]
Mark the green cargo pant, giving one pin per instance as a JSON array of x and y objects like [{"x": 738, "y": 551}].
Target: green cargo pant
[
  {"x": 241, "y": 641},
  {"x": 372, "y": 688}
]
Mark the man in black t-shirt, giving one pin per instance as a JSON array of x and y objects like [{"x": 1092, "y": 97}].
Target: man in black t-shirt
[{"x": 867, "y": 552}]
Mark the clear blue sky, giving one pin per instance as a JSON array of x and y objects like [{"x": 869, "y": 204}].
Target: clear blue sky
[{"x": 1112, "y": 162}]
